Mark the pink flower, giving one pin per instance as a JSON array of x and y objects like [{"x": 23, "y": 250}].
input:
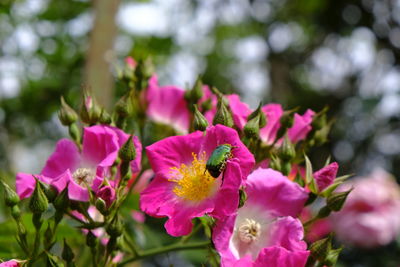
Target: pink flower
[
  {"x": 264, "y": 232},
  {"x": 130, "y": 62},
  {"x": 371, "y": 214},
  {"x": 183, "y": 189},
  {"x": 106, "y": 193},
  {"x": 273, "y": 114},
  {"x": 325, "y": 176},
  {"x": 301, "y": 124},
  {"x": 79, "y": 170},
  {"x": 240, "y": 110},
  {"x": 167, "y": 105},
  {"x": 10, "y": 263}
]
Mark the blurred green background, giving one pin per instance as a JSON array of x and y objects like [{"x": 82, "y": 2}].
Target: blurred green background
[{"x": 306, "y": 53}]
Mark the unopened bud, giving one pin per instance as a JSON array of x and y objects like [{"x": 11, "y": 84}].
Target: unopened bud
[
  {"x": 287, "y": 151},
  {"x": 16, "y": 212},
  {"x": 123, "y": 107},
  {"x": 242, "y": 197},
  {"x": 67, "y": 253},
  {"x": 105, "y": 118},
  {"x": 332, "y": 257},
  {"x": 206, "y": 105},
  {"x": 319, "y": 119},
  {"x": 194, "y": 95},
  {"x": 38, "y": 203},
  {"x": 286, "y": 122},
  {"x": 320, "y": 249},
  {"x": 223, "y": 115},
  {"x": 10, "y": 197},
  {"x": 74, "y": 132},
  {"x": 324, "y": 212},
  {"x": 61, "y": 202},
  {"x": 252, "y": 127},
  {"x": 114, "y": 228},
  {"x": 101, "y": 206},
  {"x": 321, "y": 136},
  {"x": 66, "y": 114},
  {"x": 50, "y": 191},
  {"x": 127, "y": 152},
  {"x": 199, "y": 122},
  {"x": 275, "y": 163},
  {"x": 336, "y": 200},
  {"x": 91, "y": 240}
]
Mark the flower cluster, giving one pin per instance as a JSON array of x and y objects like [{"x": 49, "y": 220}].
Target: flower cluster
[{"x": 210, "y": 163}]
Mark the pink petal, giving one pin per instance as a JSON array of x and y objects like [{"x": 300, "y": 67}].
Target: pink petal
[
  {"x": 66, "y": 156},
  {"x": 77, "y": 192},
  {"x": 288, "y": 232},
  {"x": 167, "y": 105},
  {"x": 275, "y": 192},
  {"x": 325, "y": 176},
  {"x": 240, "y": 110},
  {"x": 100, "y": 146},
  {"x": 301, "y": 126},
  {"x": 278, "y": 256},
  {"x": 273, "y": 114},
  {"x": 25, "y": 183}
]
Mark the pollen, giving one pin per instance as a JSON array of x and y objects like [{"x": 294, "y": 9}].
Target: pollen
[
  {"x": 84, "y": 176},
  {"x": 249, "y": 231},
  {"x": 193, "y": 182}
]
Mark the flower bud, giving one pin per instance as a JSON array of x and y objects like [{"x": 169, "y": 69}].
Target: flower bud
[
  {"x": 38, "y": 203},
  {"x": 324, "y": 212},
  {"x": 332, "y": 257},
  {"x": 91, "y": 240},
  {"x": 61, "y": 202},
  {"x": 287, "y": 151},
  {"x": 66, "y": 114},
  {"x": 275, "y": 163},
  {"x": 319, "y": 119},
  {"x": 123, "y": 107},
  {"x": 223, "y": 115},
  {"x": 252, "y": 127},
  {"x": 336, "y": 201},
  {"x": 67, "y": 253},
  {"x": 200, "y": 123},
  {"x": 74, "y": 132},
  {"x": 206, "y": 105},
  {"x": 10, "y": 197},
  {"x": 127, "y": 152},
  {"x": 16, "y": 212},
  {"x": 193, "y": 96},
  {"x": 101, "y": 206},
  {"x": 320, "y": 249},
  {"x": 115, "y": 227},
  {"x": 105, "y": 118}
]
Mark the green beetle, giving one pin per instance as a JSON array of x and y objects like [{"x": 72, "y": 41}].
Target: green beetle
[{"x": 217, "y": 161}]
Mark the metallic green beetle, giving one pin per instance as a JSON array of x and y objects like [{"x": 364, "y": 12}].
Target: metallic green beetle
[{"x": 217, "y": 161}]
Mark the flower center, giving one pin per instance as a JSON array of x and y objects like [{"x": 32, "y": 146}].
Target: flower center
[
  {"x": 83, "y": 176},
  {"x": 193, "y": 182},
  {"x": 249, "y": 231}
]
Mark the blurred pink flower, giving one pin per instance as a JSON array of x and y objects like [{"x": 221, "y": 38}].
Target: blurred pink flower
[
  {"x": 264, "y": 231},
  {"x": 167, "y": 105},
  {"x": 371, "y": 215},
  {"x": 67, "y": 166},
  {"x": 182, "y": 188},
  {"x": 130, "y": 62},
  {"x": 317, "y": 230}
]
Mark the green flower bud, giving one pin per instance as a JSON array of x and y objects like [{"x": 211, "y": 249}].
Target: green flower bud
[
  {"x": 10, "y": 197},
  {"x": 123, "y": 107},
  {"x": 252, "y": 127},
  {"x": 61, "y": 202},
  {"x": 320, "y": 249},
  {"x": 105, "y": 118},
  {"x": 206, "y": 105},
  {"x": 275, "y": 163},
  {"x": 324, "y": 212},
  {"x": 74, "y": 132},
  {"x": 101, "y": 206},
  {"x": 287, "y": 151},
  {"x": 242, "y": 197},
  {"x": 38, "y": 203},
  {"x": 115, "y": 227},
  {"x": 223, "y": 115},
  {"x": 67, "y": 253},
  {"x": 66, "y": 114},
  {"x": 200, "y": 122},
  {"x": 193, "y": 96},
  {"x": 336, "y": 201},
  {"x": 16, "y": 212},
  {"x": 319, "y": 119},
  {"x": 332, "y": 257},
  {"x": 127, "y": 152},
  {"x": 91, "y": 240}
]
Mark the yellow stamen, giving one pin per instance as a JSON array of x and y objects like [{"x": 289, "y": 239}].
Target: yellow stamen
[{"x": 193, "y": 182}]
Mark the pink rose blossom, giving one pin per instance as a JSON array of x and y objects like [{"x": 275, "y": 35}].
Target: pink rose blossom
[
  {"x": 264, "y": 232},
  {"x": 183, "y": 189},
  {"x": 68, "y": 166},
  {"x": 301, "y": 124},
  {"x": 371, "y": 214},
  {"x": 130, "y": 62},
  {"x": 10, "y": 263},
  {"x": 167, "y": 105},
  {"x": 325, "y": 176}
]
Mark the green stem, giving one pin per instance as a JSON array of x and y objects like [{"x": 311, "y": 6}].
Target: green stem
[
  {"x": 174, "y": 247},
  {"x": 186, "y": 238}
]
